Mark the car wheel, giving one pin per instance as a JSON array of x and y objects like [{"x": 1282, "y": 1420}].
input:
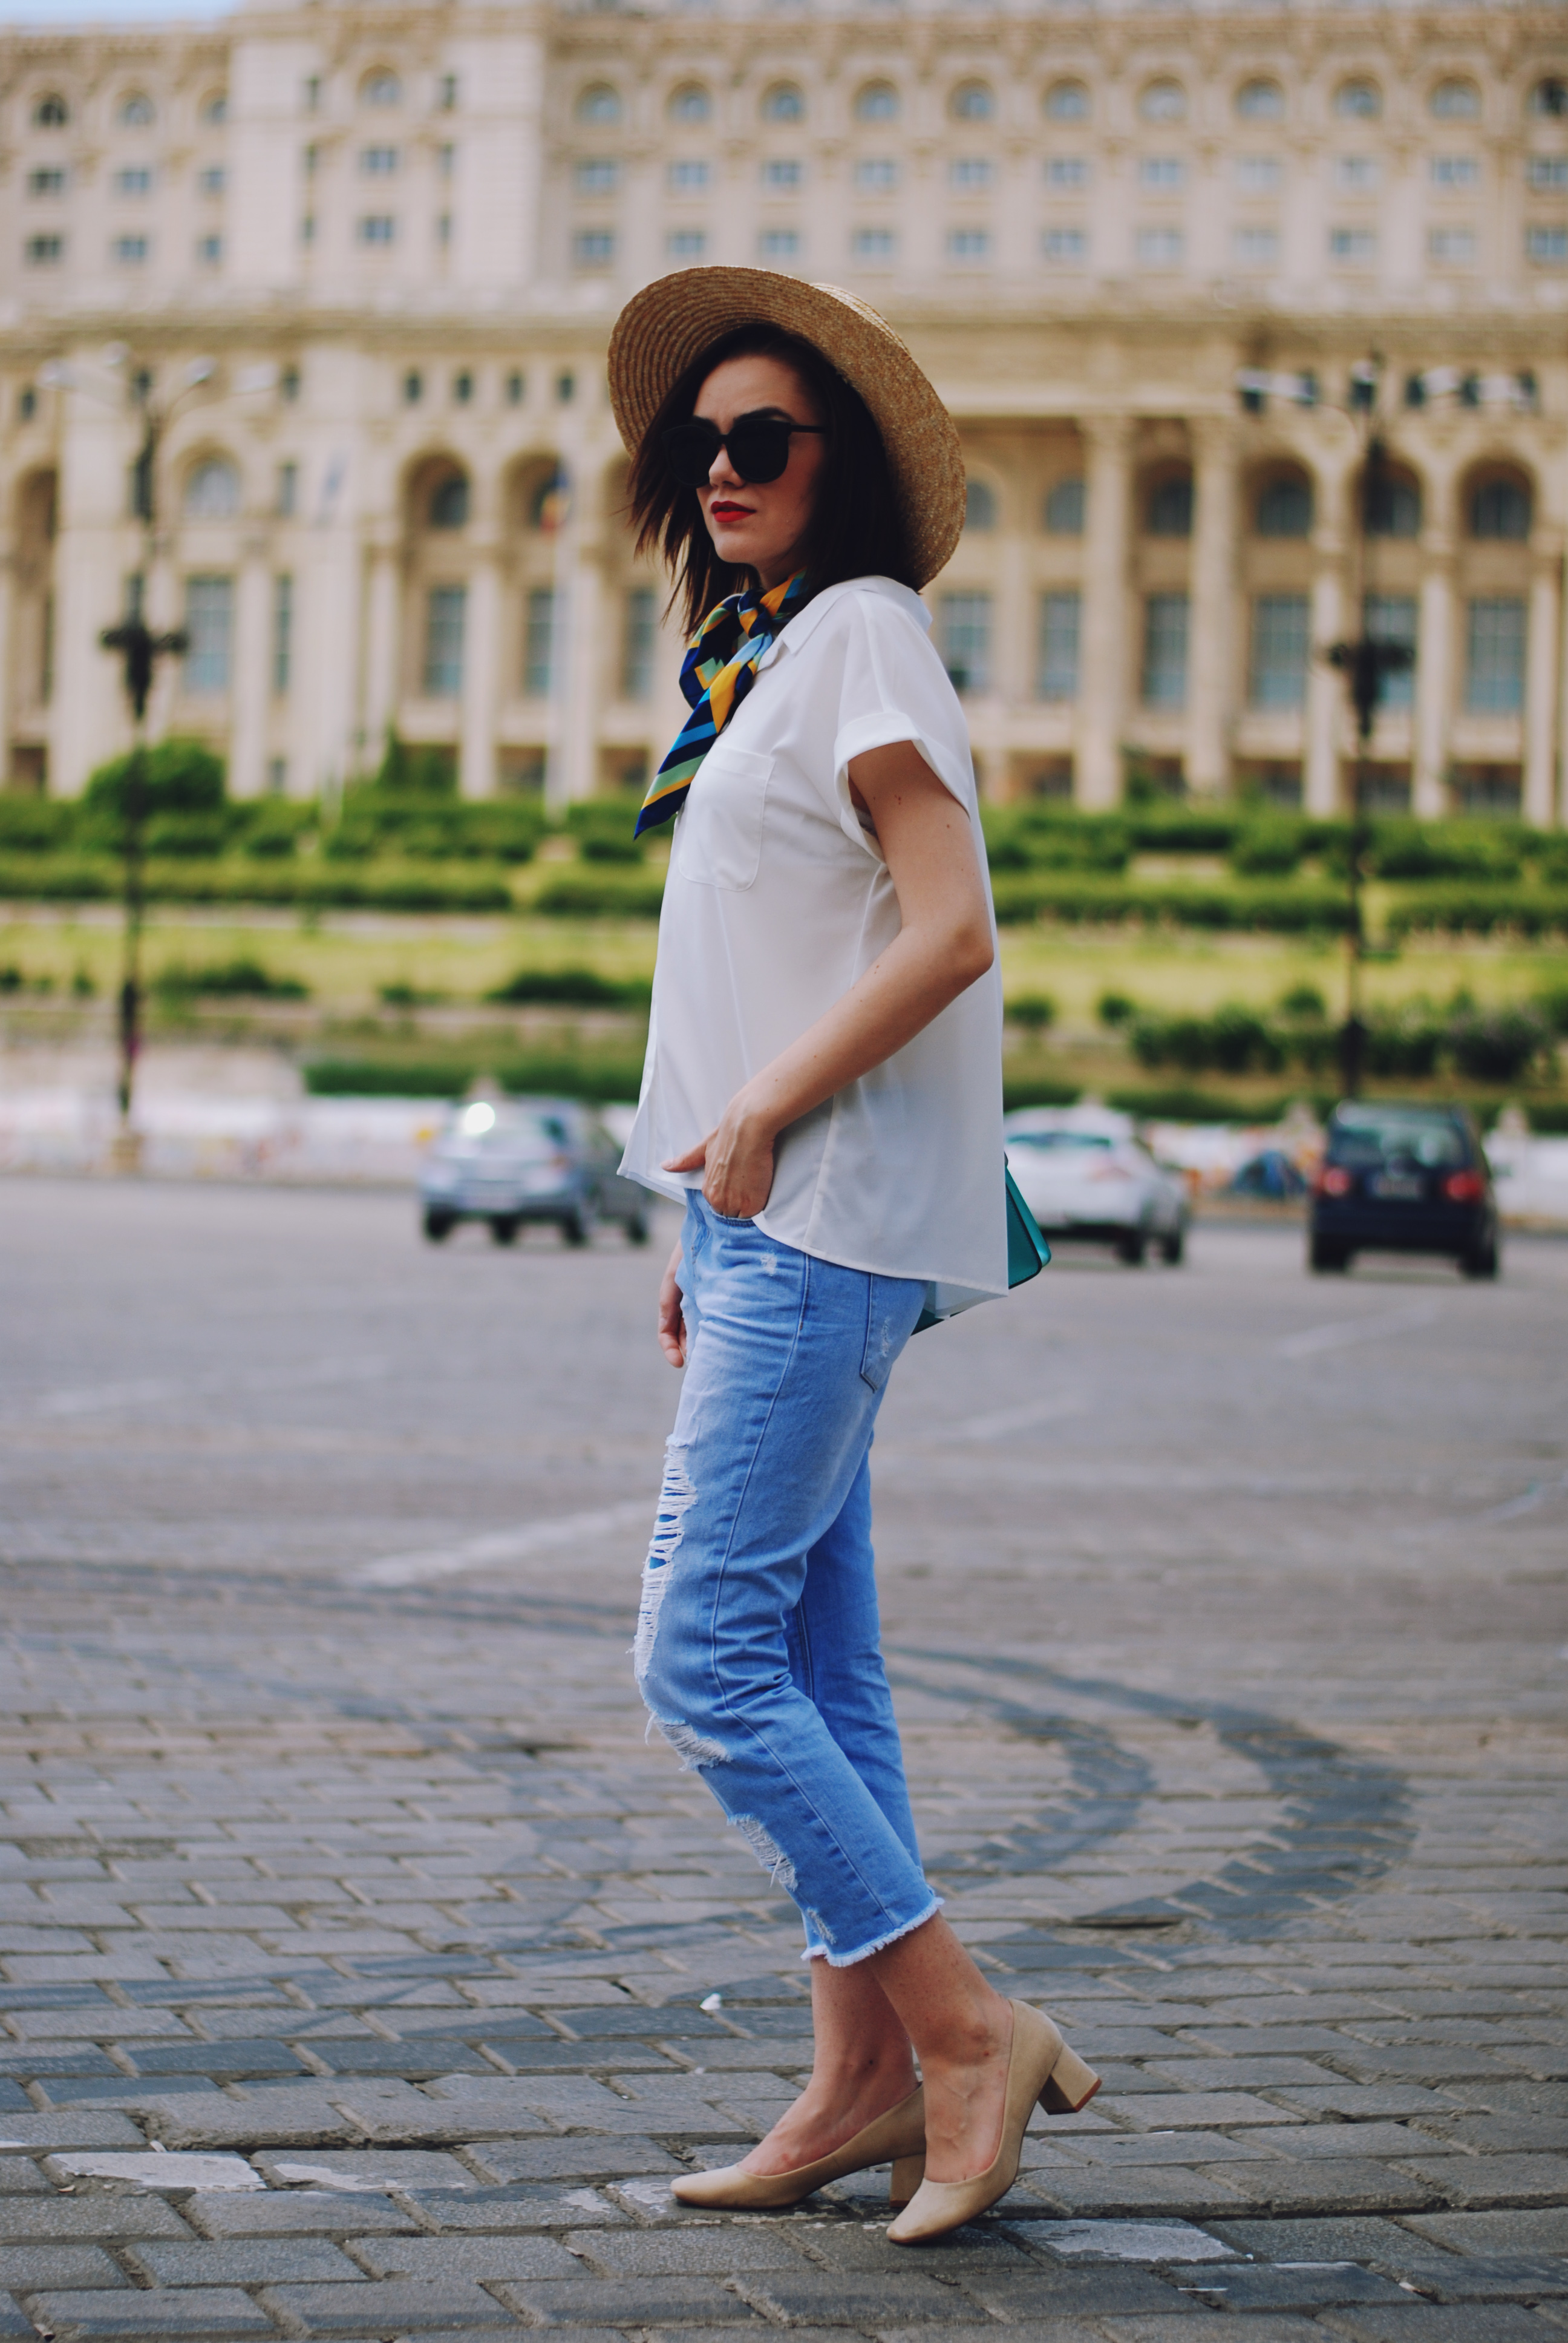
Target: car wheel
[
  {"x": 1326, "y": 1256},
  {"x": 503, "y": 1232},
  {"x": 438, "y": 1227},
  {"x": 1129, "y": 1248},
  {"x": 636, "y": 1229},
  {"x": 1173, "y": 1248},
  {"x": 576, "y": 1229},
  {"x": 1481, "y": 1261}
]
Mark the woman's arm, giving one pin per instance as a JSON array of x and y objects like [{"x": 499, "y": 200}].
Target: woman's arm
[{"x": 943, "y": 944}]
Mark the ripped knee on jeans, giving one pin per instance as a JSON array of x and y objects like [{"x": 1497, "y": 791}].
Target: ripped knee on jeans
[{"x": 677, "y": 1496}]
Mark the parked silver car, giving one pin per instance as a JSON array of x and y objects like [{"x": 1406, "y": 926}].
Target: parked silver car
[
  {"x": 1082, "y": 1173},
  {"x": 509, "y": 1161}
]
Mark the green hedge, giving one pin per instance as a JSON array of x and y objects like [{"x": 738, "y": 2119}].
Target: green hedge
[
  {"x": 1283, "y": 909},
  {"x": 1481, "y": 912},
  {"x": 384, "y": 887},
  {"x": 601, "y": 892},
  {"x": 584, "y": 1074}
]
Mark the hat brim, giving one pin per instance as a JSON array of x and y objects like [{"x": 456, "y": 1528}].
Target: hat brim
[{"x": 666, "y": 327}]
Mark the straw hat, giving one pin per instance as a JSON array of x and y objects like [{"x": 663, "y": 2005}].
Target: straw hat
[{"x": 667, "y": 326}]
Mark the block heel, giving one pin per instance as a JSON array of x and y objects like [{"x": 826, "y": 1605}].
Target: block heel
[
  {"x": 1069, "y": 2086},
  {"x": 908, "y": 2171}
]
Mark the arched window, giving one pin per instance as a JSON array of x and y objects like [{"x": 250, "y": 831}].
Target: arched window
[
  {"x": 600, "y": 104},
  {"x": 449, "y": 502},
  {"x": 689, "y": 103},
  {"x": 1067, "y": 101},
  {"x": 548, "y": 502},
  {"x": 1393, "y": 508},
  {"x": 215, "y": 109},
  {"x": 979, "y": 506},
  {"x": 51, "y": 111},
  {"x": 1549, "y": 97},
  {"x": 971, "y": 102},
  {"x": 1168, "y": 512},
  {"x": 1501, "y": 509},
  {"x": 1285, "y": 506},
  {"x": 381, "y": 88},
  {"x": 785, "y": 102},
  {"x": 212, "y": 491},
  {"x": 1456, "y": 101},
  {"x": 1358, "y": 101},
  {"x": 1261, "y": 101},
  {"x": 1163, "y": 101},
  {"x": 137, "y": 111},
  {"x": 878, "y": 102},
  {"x": 1064, "y": 509}
]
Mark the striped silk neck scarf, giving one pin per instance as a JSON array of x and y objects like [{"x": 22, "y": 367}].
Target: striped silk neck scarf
[{"x": 718, "y": 671}]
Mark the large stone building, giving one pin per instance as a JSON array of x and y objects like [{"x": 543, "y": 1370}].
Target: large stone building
[{"x": 364, "y": 259}]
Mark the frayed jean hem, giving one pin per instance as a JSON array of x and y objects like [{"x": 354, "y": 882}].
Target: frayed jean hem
[{"x": 880, "y": 1945}]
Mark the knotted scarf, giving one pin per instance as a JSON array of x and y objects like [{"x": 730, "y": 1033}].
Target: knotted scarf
[{"x": 718, "y": 671}]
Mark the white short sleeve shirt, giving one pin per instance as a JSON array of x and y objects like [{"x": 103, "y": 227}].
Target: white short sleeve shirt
[{"x": 777, "y": 900}]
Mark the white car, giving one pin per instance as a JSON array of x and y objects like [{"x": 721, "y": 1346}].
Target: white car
[{"x": 1082, "y": 1173}]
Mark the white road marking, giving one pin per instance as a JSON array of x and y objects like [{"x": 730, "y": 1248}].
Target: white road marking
[
  {"x": 1340, "y": 1333},
  {"x": 1526, "y": 1502},
  {"x": 1016, "y": 1419},
  {"x": 504, "y": 1545}
]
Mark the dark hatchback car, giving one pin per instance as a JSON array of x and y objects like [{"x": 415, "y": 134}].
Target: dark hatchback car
[
  {"x": 1403, "y": 1178},
  {"x": 510, "y": 1161}
]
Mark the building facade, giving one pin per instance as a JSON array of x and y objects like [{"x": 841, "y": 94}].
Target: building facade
[{"x": 363, "y": 261}]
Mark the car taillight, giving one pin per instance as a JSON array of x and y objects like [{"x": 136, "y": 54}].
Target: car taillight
[
  {"x": 1335, "y": 1181},
  {"x": 1464, "y": 1187}
]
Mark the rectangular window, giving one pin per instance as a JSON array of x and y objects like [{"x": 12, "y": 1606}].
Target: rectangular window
[
  {"x": 286, "y": 500},
  {"x": 1456, "y": 171},
  {"x": 209, "y": 251},
  {"x": 1392, "y": 619},
  {"x": 1494, "y": 657},
  {"x": 781, "y": 244},
  {"x": 875, "y": 247},
  {"x": 1056, "y": 675},
  {"x": 377, "y": 229},
  {"x": 639, "y": 644},
  {"x": 1164, "y": 681},
  {"x": 1545, "y": 247},
  {"x": 1452, "y": 247},
  {"x": 969, "y": 245},
  {"x": 130, "y": 251},
  {"x": 966, "y": 640},
  {"x": 448, "y": 93},
  {"x": 1547, "y": 173},
  {"x": 277, "y": 776},
  {"x": 782, "y": 172},
  {"x": 45, "y": 251},
  {"x": 444, "y": 230},
  {"x": 1165, "y": 172},
  {"x": 212, "y": 181},
  {"x": 1067, "y": 171},
  {"x": 596, "y": 175},
  {"x": 1258, "y": 175},
  {"x": 688, "y": 178},
  {"x": 1256, "y": 247},
  {"x": 1357, "y": 171},
  {"x": 282, "y": 633},
  {"x": 969, "y": 174},
  {"x": 445, "y": 160},
  {"x": 209, "y": 630},
  {"x": 686, "y": 244},
  {"x": 1352, "y": 247},
  {"x": 875, "y": 174},
  {"x": 1278, "y": 673},
  {"x": 444, "y": 615},
  {"x": 311, "y": 93},
  {"x": 1160, "y": 247},
  {"x": 378, "y": 162},
  {"x": 593, "y": 247},
  {"x": 539, "y": 642},
  {"x": 1065, "y": 247},
  {"x": 135, "y": 182},
  {"x": 46, "y": 183}
]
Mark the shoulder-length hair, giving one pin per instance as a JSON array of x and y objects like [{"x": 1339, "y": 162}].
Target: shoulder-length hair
[{"x": 856, "y": 531}]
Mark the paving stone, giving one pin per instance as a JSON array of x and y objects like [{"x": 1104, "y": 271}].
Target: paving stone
[
  {"x": 631, "y": 2302},
  {"x": 1450, "y": 2278},
  {"x": 1194, "y": 2326},
  {"x": 1329, "y": 2185},
  {"x": 1046, "y": 2293},
  {"x": 276, "y": 2118},
  {"x": 488, "y": 2257},
  {"x": 294, "y": 2212},
  {"x": 1203, "y": 2110},
  {"x": 206, "y": 2311},
  {"x": 25, "y": 2268},
  {"x": 19, "y": 2176},
  {"x": 1364, "y": 2102},
  {"x": 1152, "y": 2189},
  {"x": 1284, "y": 2286},
  {"x": 1426, "y": 2322},
  {"x": 718, "y": 2250},
  {"x": 365, "y": 2170},
  {"x": 85, "y": 2129},
  {"x": 245, "y": 2261},
  {"x": 839, "y": 2298},
  {"x": 379, "y": 2306},
  {"x": 577, "y": 2160},
  {"x": 524, "y": 2207},
  {"x": 14, "y": 2324},
  {"x": 1481, "y": 2181},
  {"x": 95, "y": 2213},
  {"x": 1540, "y": 2232}
]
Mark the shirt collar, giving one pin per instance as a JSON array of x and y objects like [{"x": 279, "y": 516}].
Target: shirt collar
[{"x": 806, "y": 622}]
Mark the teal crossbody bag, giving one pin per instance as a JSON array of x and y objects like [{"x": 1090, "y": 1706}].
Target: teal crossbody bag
[{"x": 1027, "y": 1250}]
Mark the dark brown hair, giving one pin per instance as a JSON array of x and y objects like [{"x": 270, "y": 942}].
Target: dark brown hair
[{"x": 856, "y": 531}]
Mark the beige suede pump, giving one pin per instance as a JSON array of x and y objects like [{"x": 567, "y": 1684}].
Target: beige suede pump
[{"x": 899, "y": 2137}]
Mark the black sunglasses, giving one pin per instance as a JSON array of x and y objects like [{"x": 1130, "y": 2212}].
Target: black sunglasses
[{"x": 758, "y": 446}]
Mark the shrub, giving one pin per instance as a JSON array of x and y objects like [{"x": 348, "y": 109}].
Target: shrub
[
  {"x": 195, "y": 834},
  {"x": 595, "y": 1074},
  {"x": 601, "y": 894},
  {"x": 1305, "y": 1002},
  {"x": 1270, "y": 849},
  {"x": 57, "y": 878},
  {"x": 238, "y": 979},
  {"x": 572, "y": 988},
  {"x": 34, "y": 825},
  {"x": 1552, "y": 1007},
  {"x": 1481, "y": 912},
  {"x": 1411, "y": 850},
  {"x": 1501, "y": 1045},
  {"x": 1033, "y": 1010},
  {"x": 178, "y": 777},
  {"x": 1235, "y": 1040},
  {"x": 1115, "y": 1009}
]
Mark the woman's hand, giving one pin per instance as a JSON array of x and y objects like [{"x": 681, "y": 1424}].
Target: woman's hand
[
  {"x": 671, "y": 1322},
  {"x": 736, "y": 1160}
]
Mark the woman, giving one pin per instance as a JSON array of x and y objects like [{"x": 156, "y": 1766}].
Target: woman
[{"x": 823, "y": 1093}]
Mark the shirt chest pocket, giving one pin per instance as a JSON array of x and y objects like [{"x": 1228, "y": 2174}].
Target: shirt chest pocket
[{"x": 720, "y": 838}]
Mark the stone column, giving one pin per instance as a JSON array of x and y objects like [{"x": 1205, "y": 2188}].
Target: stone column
[
  {"x": 1211, "y": 691},
  {"x": 1434, "y": 667},
  {"x": 1541, "y": 688},
  {"x": 250, "y": 679},
  {"x": 481, "y": 672},
  {"x": 1096, "y": 782},
  {"x": 382, "y": 691},
  {"x": 1325, "y": 686}
]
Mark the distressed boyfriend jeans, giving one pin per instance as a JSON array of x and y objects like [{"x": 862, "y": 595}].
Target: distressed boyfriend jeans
[{"x": 757, "y": 1649}]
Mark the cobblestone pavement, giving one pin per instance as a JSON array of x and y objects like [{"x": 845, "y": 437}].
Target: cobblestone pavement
[{"x": 365, "y": 1976}]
